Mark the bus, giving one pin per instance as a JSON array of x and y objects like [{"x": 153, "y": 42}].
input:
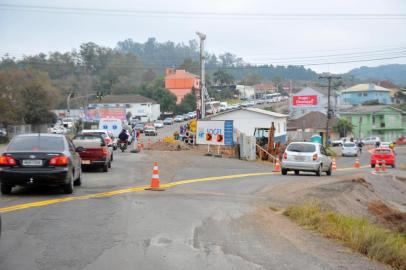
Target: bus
[
  {"x": 272, "y": 98},
  {"x": 212, "y": 107}
]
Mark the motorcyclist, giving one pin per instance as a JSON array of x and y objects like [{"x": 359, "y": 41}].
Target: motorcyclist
[{"x": 123, "y": 136}]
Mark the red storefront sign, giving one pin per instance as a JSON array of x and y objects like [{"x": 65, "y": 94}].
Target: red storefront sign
[{"x": 304, "y": 100}]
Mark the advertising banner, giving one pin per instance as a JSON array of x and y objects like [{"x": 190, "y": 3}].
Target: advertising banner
[
  {"x": 98, "y": 113},
  {"x": 216, "y": 132},
  {"x": 304, "y": 101}
]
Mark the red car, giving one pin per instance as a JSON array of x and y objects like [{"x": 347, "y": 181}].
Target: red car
[
  {"x": 380, "y": 155},
  {"x": 93, "y": 150}
]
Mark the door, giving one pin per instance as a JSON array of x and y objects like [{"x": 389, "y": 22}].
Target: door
[{"x": 76, "y": 161}]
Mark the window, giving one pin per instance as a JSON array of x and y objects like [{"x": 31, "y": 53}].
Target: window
[
  {"x": 322, "y": 150},
  {"x": 365, "y": 94},
  {"x": 37, "y": 143},
  {"x": 360, "y": 94},
  {"x": 301, "y": 148}
]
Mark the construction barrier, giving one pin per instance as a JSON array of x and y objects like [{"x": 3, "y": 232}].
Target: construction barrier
[{"x": 155, "y": 183}]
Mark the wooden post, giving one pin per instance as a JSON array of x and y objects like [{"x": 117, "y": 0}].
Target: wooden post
[{"x": 271, "y": 139}]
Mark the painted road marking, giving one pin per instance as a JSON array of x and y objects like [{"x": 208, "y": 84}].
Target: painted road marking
[{"x": 135, "y": 189}]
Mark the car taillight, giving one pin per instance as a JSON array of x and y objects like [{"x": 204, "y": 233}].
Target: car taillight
[
  {"x": 285, "y": 155},
  {"x": 315, "y": 157},
  {"x": 105, "y": 151},
  {"x": 7, "y": 161},
  {"x": 59, "y": 161}
]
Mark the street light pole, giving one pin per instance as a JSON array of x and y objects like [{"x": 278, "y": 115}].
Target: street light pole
[
  {"x": 70, "y": 95},
  {"x": 329, "y": 78},
  {"x": 202, "y": 75}
]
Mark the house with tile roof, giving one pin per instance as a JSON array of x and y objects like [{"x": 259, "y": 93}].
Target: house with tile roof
[{"x": 180, "y": 82}]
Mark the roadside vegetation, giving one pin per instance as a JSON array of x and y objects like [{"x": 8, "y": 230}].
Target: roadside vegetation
[{"x": 358, "y": 233}]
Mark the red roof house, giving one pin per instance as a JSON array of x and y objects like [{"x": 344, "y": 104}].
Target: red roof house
[{"x": 180, "y": 82}]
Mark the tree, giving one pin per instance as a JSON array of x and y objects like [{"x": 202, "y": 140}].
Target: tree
[
  {"x": 149, "y": 75},
  {"x": 220, "y": 77},
  {"x": 343, "y": 126},
  {"x": 252, "y": 79},
  {"x": 188, "y": 104},
  {"x": 190, "y": 66},
  {"x": 27, "y": 97}
]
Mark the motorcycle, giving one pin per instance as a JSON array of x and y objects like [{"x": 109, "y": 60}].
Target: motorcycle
[{"x": 122, "y": 145}]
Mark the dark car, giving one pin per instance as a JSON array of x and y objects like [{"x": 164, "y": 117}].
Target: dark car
[
  {"x": 93, "y": 150},
  {"x": 40, "y": 159}
]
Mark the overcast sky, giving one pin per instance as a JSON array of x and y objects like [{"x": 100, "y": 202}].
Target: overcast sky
[{"x": 289, "y": 39}]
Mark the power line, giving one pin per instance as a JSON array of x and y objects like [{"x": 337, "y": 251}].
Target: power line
[{"x": 212, "y": 15}]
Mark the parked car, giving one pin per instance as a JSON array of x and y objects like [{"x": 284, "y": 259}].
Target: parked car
[
  {"x": 168, "y": 121},
  {"x": 192, "y": 114},
  {"x": 186, "y": 117},
  {"x": 150, "y": 131},
  {"x": 93, "y": 151},
  {"x": 159, "y": 124},
  {"x": 349, "y": 149},
  {"x": 385, "y": 144},
  {"x": 306, "y": 156},
  {"x": 40, "y": 159},
  {"x": 179, "y": 118},
  {"x": 340, "y": 141},
  {"x": 372, "y": 140},
  {"x": 380, "y": 155}
]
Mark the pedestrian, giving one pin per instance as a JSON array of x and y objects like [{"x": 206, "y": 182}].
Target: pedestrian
[
  {"x": 360, "y": 146},
  {"x": 377, "y": 144}
]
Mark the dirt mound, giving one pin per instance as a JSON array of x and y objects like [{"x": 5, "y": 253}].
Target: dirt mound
[
  {"x": 393, "y": 219},
  {"x": 172, "y": 146}
]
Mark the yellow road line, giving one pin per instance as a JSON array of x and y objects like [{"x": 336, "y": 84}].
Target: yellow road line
[
  {"x": 123, "y": 191},
  {"x": 134, "y": 189}
]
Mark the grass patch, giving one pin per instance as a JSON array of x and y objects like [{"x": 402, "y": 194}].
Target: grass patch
[
  {"x": 330, "y": 151},
  {"x": 358, "y": 233}
]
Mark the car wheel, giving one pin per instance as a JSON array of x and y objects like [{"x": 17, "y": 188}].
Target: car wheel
[
  {"x": 109, "y": 164},
  {"x": 78, "y": 182},
  {"x": 105, "y": 168},
  {"x": 68, "y": 188},
  {"x": 6, "y": 189},
  {"x": 393, "y": 166},
  {"x": 318, "y": 172},
  {"x": 284, "y": 171},
  {"x": 372, "y": 165},
  {"x": 329, "y": 170},
  {"x": 296, "y": 172}
]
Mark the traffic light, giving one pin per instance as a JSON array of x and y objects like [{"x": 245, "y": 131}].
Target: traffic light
[
  {"x": 209, "y": 137},
  {"x": 219, "y": 138}
]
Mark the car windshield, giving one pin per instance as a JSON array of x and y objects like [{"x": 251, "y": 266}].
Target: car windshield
[
  {"x": 382, "y": 151},
  {"x": 302, "y": 148},
  {"x": 36, "y": 143},
  {"x": 349, "y": 145}
]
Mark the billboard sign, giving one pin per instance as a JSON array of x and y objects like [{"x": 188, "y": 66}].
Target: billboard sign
[
  {"x": 216, "y": 132},
  {"x": 304, "y": 101},
  {"x": 98, "y": 113}
]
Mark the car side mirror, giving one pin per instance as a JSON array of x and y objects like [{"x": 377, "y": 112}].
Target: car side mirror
[{"x": 79, "y": 149}]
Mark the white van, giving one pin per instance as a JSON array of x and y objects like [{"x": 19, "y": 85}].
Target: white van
[{"x": 112, "y": 125}]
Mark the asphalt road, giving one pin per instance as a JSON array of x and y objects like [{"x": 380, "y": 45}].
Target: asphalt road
[{"x": 208, "y": 223}]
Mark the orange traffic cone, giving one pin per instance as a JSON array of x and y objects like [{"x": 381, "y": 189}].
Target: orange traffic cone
[
  {"x": 377, "y": 169},
  {"x": 155, "y": 179},
  {"x": 356, "y": 164},
  {"x": 334, "y": 165},
  {"x": 277, "y": 167},
  {"x": 383, "y": 166}
]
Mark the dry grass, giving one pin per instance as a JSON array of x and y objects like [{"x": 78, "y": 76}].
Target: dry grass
[{"x": 358, "y": 233}]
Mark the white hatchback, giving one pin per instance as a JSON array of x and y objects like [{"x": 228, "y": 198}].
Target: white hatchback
[{"x": 349, "y": 149}]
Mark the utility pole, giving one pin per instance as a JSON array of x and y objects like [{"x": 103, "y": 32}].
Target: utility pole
[
  {"x": 70, "y": 95},
  {"x": 202, "y": 75},
  {"x": 329, "y": 78}
]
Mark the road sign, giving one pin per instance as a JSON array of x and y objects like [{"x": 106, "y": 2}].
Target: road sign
[{"x": 215, "y": 132}]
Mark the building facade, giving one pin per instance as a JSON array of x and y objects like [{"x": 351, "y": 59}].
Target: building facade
[
  {"x": 366, "y": 92},
  {"x": 248, "y": 119},
  {"x": 383, "y": 121},
  {"x": 138, "y": 106},
  {"x": 311, "y": 100},
  {"x": 180, "y": 83}
]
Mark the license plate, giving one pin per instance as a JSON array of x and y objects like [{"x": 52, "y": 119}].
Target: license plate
[
  {"x": 86, "y": 162},
  {"x": 299, "y": 158},
  {"x": 32, "y": 162}
]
